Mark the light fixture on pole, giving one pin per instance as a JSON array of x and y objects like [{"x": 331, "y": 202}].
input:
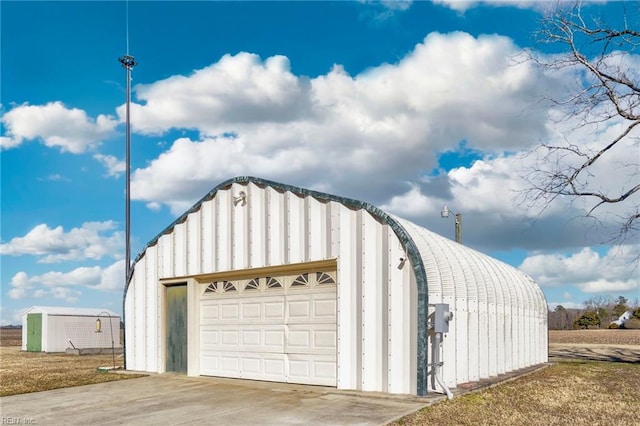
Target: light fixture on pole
[
  {"x": 128, "y": 63},
  {"x": 445, "y": 214},
  {"x": 99, "y": 330}
]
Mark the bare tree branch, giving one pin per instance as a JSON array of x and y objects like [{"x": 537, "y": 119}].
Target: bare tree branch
[{"x": 605, "y": 95}]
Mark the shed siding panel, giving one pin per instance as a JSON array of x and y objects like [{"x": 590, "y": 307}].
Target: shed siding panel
[
  {"x": 180, "y": 250},
  {"x": 152, "y": 313},
  {"x": 239, "y": 231},
  {"x": 207, "y": 240},
  {"x": 223, "y": 231},
  {"x": 276, "y": 230},
  {"x": 348, "y": 302},
  {"x": 373, "y": 316},
  {"x": 257, "y": 230}
]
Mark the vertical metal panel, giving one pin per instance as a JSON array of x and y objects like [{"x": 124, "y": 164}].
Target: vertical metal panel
[
  {"x": 399, "y": 330},
  {"x": 372, "y": 315},
  {"x": 207, "y": 238},
  {"x": 257, "y": 237},
  {"x": 492, "y": 299},
  {"x": 139, "y": 316},
  {"x": 276, "y": 233},
  {"x": 45, "y": 333},
  {"x": 501, "y": 322},
  {"x": 461, "y": 326},
  {"x": 348, "y": 302},
  {"x": 148, "y": 311},
  {"x": 239, "y": 233},
  {"x": 180, "y": 250},
  {"x": 383, "y": 278},
  {"x": 316, "y": 229},
  {"x": 296, "y": 222},
  {"x": 474, "y": 338},
  {"x": 193, "y": 327},
  {"x": 194, "y": 243},
  {"x": 165, "y": 245},
  {"x": 150, "y": 268},
  {"x": 223, "y": 231}
]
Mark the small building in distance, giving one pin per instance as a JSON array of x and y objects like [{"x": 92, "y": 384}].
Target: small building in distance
[
  {"x": 56, "y": 329},
  {"x": 623, "y": 318}
]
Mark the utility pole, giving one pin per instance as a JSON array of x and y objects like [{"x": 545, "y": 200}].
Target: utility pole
[
  {"x": 458, "y": 216},
  {"x": 459, "y": 228},
  {"x": 128, "y": 63}
]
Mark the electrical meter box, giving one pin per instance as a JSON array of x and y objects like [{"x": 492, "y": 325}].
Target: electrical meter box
[{"x": 441, "y": 317}]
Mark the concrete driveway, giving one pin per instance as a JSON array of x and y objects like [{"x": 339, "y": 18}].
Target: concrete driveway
[{"x": 178, "y": 400}]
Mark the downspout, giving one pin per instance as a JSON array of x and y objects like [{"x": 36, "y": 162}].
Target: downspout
[{"x": 436, "y": 365}]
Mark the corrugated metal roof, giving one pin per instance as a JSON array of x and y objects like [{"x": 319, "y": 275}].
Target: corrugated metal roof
[
  {"x": 456, "y": 270},
  {"x": 71, "y": 311}
]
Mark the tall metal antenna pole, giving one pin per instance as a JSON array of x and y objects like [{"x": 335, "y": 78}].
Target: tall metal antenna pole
[{"x": 128, "y": 63}]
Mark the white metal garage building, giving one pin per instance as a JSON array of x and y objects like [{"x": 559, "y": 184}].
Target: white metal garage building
[{"x": 265, "y": 281}]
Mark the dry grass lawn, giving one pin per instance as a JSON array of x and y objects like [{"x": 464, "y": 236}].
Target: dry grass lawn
[
  {"x": 24, "y": 372},
  {"x": 566, "y": 393},
  {"x": 595, "y": 337},
  {"x": 569, "y": 392}
]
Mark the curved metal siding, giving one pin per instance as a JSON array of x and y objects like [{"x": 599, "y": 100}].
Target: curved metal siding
[
  {"x": 377, "y": 304},
  {"x": 499, "y": 322},
  {"x": 500, "y": 313}
]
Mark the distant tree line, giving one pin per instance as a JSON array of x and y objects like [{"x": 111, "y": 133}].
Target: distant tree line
[{"x": 599, "y": 312}]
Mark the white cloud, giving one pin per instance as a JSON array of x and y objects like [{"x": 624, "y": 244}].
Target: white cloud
[
  {"x": 616, "y": 271},
  {"x": 376, "y": 136},
  {"x": 238, "y": 88},
  {"x": 112, "y": 277},
  {"x": 379, "y": 11},
  {"x": 58, "y": 126},
  {"x": 68, "y": 294},
  {"x": 364, "y": 136},
  {"x": 67, "y": 285},
  {"x": 56, "y": 177},
  {"x": 56, "y": 245},
  {"x": 464, "y": 5},
  {"x": 412, "y": 203},
  {"x": 112, "y": 164}
]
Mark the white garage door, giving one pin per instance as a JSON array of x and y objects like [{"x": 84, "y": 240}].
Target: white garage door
[{"x": 271, "y": 328}]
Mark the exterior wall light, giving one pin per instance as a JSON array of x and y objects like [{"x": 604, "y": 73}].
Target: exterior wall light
[{"x": 241, "y": 199}]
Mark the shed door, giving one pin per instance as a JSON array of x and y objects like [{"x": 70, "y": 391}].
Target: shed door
[
  {"x": 279, "y": 329},
  {"x": 176, "y": 349},
  {"x": 34, "y": 332}
]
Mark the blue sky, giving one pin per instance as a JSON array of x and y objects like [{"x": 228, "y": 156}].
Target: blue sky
[{"x": 407, "y": 105}]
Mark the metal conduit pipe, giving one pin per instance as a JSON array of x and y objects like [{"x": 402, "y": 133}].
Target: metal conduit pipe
[{"x": 436, "y": 365}]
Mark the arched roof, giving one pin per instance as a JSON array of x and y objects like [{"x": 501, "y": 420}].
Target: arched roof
[
  {"x": 455, "y": 270},
  {"x": 440, "y": 266}
]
